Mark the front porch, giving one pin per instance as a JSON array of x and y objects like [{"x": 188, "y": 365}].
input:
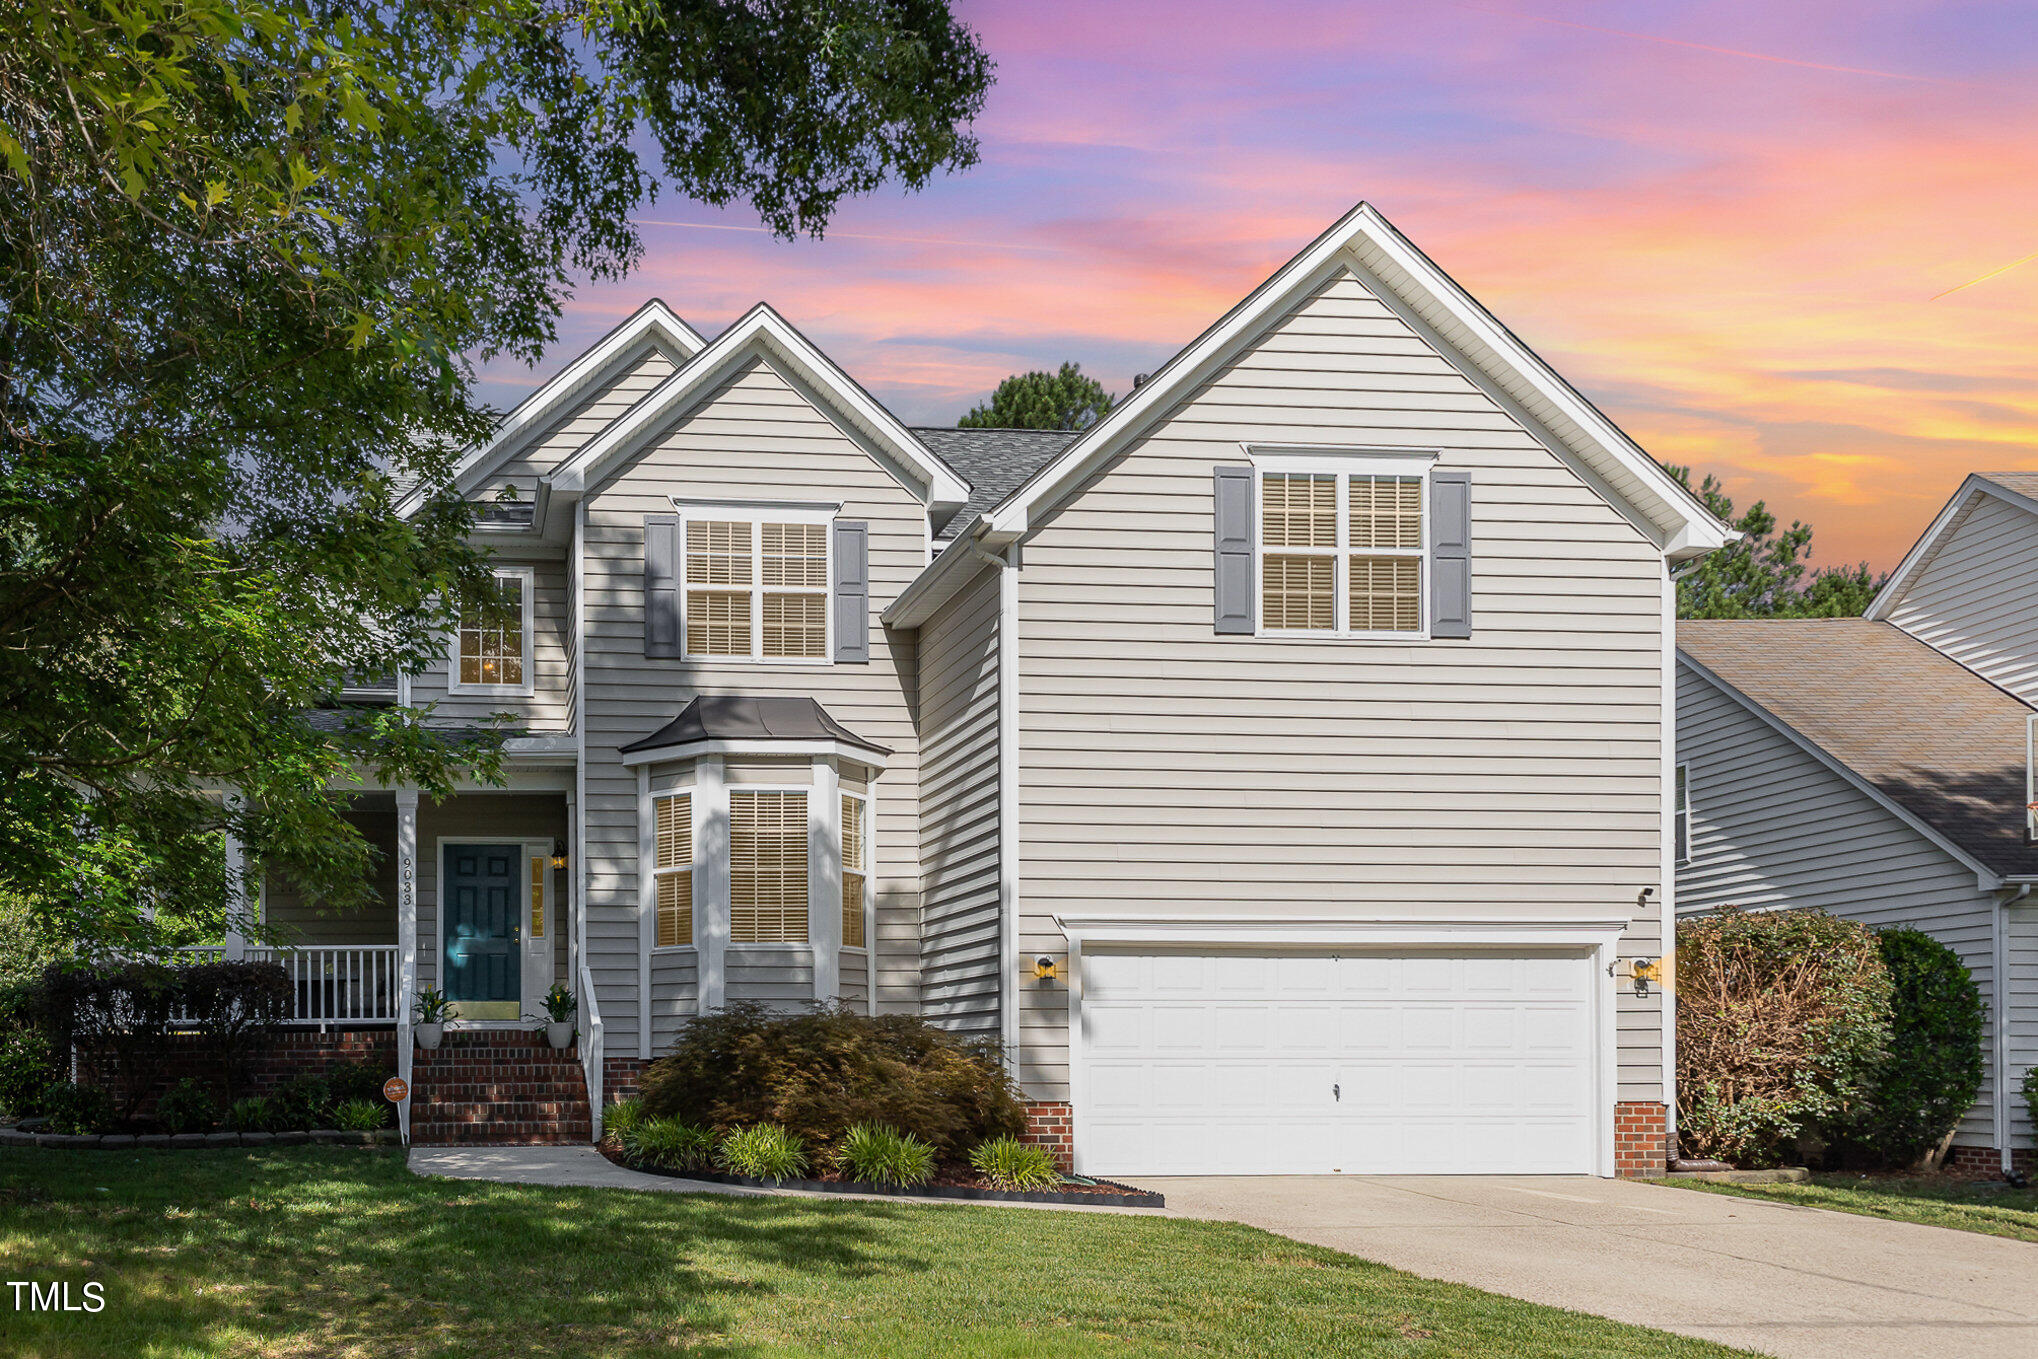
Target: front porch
[{"x": 472, "y": 899}]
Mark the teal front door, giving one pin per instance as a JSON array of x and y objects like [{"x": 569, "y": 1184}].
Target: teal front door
[{"x": 483, "y": 906}]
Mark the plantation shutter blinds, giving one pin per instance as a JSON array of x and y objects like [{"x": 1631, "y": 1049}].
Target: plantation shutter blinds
[
  {"x": 1233, "y": 605},
  {"x": 1450, "y": 556},
  {"x": 794, "y": 574},
  {"x": 674, "y": 869},
  {"x": 767, "y": 868},
  {"x": 720, "y": 567},
  {"x": 852, "y": 592},
  {"x": 1299, "y": 557},
  {"x": 852, "y": 872},
  {"x": 663, "y": 625}
]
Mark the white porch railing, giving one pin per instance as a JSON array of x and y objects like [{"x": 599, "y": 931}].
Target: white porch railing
[
  {"x": 329, "y": 983},
  {"x": 591, "y": 1047}
]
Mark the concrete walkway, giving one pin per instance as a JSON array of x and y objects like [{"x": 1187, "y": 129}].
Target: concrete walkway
[{"x": 1802, "y": 1283}]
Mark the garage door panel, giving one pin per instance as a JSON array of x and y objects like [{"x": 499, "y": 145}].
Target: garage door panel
[{"x": 1256, "y": 1062}]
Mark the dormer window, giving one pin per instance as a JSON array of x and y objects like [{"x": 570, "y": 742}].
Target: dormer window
[{"x": 492, "y": 649}]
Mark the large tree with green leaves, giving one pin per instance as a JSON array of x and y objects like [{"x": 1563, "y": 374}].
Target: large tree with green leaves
[
  {"x": 1766, "y": 574},
  {"x": 249, "y": 252},
  {"x": 1063, "y": 400}
]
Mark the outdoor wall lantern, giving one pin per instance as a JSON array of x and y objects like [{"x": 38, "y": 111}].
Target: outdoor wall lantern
[
  {"x": 1043, "y": 968},
  {"x": 558, "y": 856}
]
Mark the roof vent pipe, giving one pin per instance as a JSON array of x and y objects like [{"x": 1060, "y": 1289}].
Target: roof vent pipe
[{"x": 1140, "y": 380}]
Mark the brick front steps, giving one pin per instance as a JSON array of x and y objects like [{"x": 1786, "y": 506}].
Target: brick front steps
[{"x": 498, "y": 1087}]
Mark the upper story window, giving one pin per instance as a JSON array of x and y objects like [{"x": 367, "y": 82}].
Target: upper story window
[
  {"x": 1680, "y": 819},
  {"x": 1342, "y": 551},
  {"x": 492, "y": 650},
  {"x": 757, "y": 589},
  {"x": 767, "y": 867}
]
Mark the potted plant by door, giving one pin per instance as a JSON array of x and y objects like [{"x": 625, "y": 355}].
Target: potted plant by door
[
  {"x": 432, "y": 1008},
  {"x": 559, "y": 1006}
]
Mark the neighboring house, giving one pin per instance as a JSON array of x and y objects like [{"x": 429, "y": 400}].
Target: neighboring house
[
  {"x": 1877, "y": 768},
  {"x": 1279, "y": 767}
]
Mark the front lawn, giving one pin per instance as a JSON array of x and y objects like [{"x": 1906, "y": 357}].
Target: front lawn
[
  {"x": 1932, "y": 1200},
  {"x": 337, "y": 1252}
]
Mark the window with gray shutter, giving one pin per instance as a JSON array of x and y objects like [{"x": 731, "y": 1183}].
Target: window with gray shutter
[
  {"x": 852, "y": 591},
  {"x": 1234, "y": 586},
  {"x": 1450, "y": 554},
  {"x": 663, "y": 630}
]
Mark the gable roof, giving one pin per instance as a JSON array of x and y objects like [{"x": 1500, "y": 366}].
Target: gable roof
[
  {"x": 1365, "y": 243},
  {"x": 654, "y": 323},
  {"x": 995, "y": 462},
  {"x": 762, "y": 331},
  {"x": 2012, "y": 488},
  {"x": 1920, "y": 731}
]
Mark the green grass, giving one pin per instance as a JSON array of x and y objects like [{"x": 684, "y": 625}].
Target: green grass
[
  {"x": 340, "y": 1252},
  {"x": 1933, "y": 1201}
]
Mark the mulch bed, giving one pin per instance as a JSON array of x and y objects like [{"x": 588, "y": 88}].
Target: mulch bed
[{"x": 944, "y": 1185}]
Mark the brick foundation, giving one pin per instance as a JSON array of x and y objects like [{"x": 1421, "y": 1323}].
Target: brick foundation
[
  {"x": 1641, "y": 1139},
  {"x": 1986, "y": 1163},
  {"x": 622, "y": 1078},
  {"x": 1051, "y": 1124},
  {"x": 287, "y": 1053}
]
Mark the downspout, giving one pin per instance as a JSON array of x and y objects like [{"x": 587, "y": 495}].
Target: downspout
[
  {"x": 1667, "y": 952},
  {"x": 1999, "y": 1011},
  {"x": 1008, "y": 795}
]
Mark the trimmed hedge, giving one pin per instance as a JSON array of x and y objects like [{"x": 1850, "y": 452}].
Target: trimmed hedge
[
  {"x": 1782, "y": 1027},
  {"x": 1933, "y": 1069},
  {"x": 821, "y": 1071}
]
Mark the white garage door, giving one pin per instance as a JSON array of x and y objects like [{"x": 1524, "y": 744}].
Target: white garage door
[{"x": 1286, "y": 1064}]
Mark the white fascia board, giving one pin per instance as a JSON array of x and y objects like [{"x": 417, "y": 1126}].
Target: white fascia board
[
  {"x": 652, "y": 321},
  {"x": 1578, "y": 932},
  {"x": 936, "y": 583},
  {"x": 688, "y": 750},
  {"x": 1986, "y": 879},
  {"x": 1363, "y": 232},
  {"x": 762, "y": 330},
  {"x": 1927, "y": 547}
]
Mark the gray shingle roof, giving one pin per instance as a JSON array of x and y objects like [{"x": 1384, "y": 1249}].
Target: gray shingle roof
[
  {"x": 2023, "y": 483},
  {"x": 735, "y": 717},
  {"x": 1929, "y": 734},
  {"x": 995, "y": 463}
]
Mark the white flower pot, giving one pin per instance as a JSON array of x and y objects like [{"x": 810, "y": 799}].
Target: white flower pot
[
  {"x": 430, "y": 1034},
  {"x": 560, "y": 1035}
]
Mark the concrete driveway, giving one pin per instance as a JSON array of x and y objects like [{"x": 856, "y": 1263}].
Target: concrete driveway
[{"x": 1802, "y": 1283}]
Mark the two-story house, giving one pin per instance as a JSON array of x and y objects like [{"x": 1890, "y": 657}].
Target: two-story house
[
  {"x": 1879, "y": 768},
  {"x": 1279, "y": 767}
]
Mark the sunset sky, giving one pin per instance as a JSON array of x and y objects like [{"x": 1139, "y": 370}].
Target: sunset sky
[{"x": 1743, "y": 229}]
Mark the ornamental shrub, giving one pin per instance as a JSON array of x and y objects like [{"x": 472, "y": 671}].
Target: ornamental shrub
[
  {"x": 765, "y": 1152},
  {"x": 1782, "y": 1025},
  {"x": 1008, "y": 1163},
  {"x": 821, "y": 1071},
  {"x": 1933, "y": 1068},
  {"x": 348, "y": 1082},
  {"x": 2029, "y": 1089},
  {"x": 361, "y": 1115},
  {"x": 187, "y": 1107},
  {"x": 876, "y": 1154},
  {"x": 622, "y": 1118},
  {"x": 670, "y": 1144},
  {"x": 77, "y": 1109},
  {"x": 28, "y": 1059},
  {"x": 300, "y": 1104},
  {"x": 252, "y": 1114}
]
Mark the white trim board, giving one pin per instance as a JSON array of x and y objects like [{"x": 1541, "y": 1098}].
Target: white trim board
[
  {"x": 1684, "y": 526},
  {"x": 1287, "y": 932},
  {"x": 762, "y": 332},
  {"x": 653, "y": 323},
  {"x": 1922, "y": 552}
]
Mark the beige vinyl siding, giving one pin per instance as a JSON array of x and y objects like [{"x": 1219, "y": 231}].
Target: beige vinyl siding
[
  {"x": 549, "y": 709},
  {"x": 2022, "y": 937},
  {"x": 294, "y": 919},
  {"x": 1977, "y": 598},
  {"x": 628, "y": 381},
  {"x": 1167, "y": 769},
  {"x": 1773, "y": 826},
  {"x": 756, "y": 437},
  {"x": 959, "y": 928}
]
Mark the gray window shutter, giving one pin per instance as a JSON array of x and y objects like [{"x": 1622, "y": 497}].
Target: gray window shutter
[
  {"x": 852, "y": 591},
  {"x": 1450, "y": 554},
  {"x": 664, "y": 626},
  {"x": 1235, "y": 596}
]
